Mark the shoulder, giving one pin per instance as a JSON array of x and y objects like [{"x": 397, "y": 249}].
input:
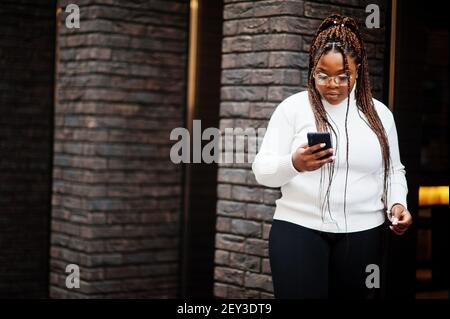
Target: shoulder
[
  {"x": 385, "y": 114},
  {"x": 294, "y": 103}
]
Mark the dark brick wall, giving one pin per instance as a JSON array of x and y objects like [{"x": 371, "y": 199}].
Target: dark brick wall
[
  {"x": 264, "y": 60},
  {"x": 116, "y": 195},
  {"x": 26, "y": 106}
]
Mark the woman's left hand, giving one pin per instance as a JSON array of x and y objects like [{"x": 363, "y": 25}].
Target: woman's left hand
[{"x": 401, "y": 219}]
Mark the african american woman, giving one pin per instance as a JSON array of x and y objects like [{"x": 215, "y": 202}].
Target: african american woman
[{"x": 337, "y": 203}]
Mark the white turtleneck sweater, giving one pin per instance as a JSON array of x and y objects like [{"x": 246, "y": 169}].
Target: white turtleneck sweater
[{"x": 301, "y": 198}]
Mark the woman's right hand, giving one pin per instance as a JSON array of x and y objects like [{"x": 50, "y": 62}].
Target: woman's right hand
[{"x": 304, "y": 160}]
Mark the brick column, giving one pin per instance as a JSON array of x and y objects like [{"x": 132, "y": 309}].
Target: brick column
[
  {"x": 264, "y": 60},
  {"x": 116, "y": 195},
  {"x": 27, "y": 35}
]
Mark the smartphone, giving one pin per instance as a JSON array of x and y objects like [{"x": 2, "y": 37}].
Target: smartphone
[{"x": 318, "y": 138}]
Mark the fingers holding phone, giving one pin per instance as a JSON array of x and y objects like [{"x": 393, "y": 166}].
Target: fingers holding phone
[{"x": 310, "y": 158}]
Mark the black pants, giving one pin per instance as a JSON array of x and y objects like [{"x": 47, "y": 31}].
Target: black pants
[{"x": 311, "y": 264}]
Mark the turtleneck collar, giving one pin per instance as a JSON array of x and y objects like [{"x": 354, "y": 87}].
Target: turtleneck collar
[{"x": 342, "y": 105}]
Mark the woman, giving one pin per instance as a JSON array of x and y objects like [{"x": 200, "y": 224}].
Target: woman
[{"x": 329, "y": 223}]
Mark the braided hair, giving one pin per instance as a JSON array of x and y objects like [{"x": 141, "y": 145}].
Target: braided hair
[{"x": 341, "y": 34}]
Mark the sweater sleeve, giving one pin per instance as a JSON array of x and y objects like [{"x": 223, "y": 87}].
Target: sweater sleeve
[
  {"x": 273, "y": 165},
  {"x": 398, "y": 190}
]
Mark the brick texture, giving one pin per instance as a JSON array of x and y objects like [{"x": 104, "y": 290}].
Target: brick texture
[
  {"x": 116, "y": 194},
  {"x": 26, "y": 105},
  {"x": 265, "y": 54}
]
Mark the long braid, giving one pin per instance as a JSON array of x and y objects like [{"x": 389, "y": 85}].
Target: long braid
[
  {"x": 322, "y": 123},
  {"x": 344, "y": 30},
  {"x": 347, "y": 72}
]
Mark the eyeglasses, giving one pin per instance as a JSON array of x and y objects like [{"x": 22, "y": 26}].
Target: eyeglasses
[{"x": 322, "y": 79}]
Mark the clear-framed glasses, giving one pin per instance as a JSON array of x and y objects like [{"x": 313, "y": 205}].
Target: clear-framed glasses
[{"x": 322, "y": 79}]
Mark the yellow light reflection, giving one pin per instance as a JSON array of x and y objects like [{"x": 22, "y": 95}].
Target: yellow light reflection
[{"x": 433, "y": 195}]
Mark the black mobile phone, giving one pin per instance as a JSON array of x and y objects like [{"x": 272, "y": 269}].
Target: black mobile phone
[{"x": 318, "y": 138}]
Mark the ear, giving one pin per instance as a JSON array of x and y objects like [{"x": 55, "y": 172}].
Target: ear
[{"x": 357, "y": 69}]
